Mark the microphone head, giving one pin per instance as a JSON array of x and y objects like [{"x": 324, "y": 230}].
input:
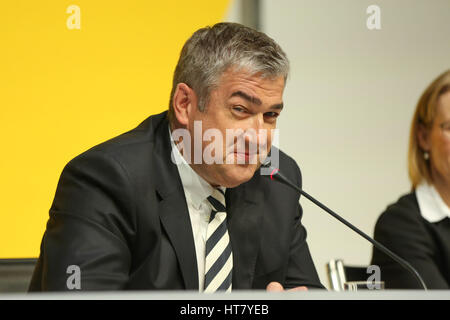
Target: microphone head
[{"x": 268, "y": 165}]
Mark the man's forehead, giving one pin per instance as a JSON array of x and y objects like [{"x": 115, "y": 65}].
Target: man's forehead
[{"x": 245, "y": 85}]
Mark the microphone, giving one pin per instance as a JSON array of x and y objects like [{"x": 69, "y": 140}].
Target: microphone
[{"x": 280, "y": 177}]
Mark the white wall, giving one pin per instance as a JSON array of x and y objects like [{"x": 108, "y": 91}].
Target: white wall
[
  {"x": 349, "y": 103},
  {"x": 348, "y": 106}
]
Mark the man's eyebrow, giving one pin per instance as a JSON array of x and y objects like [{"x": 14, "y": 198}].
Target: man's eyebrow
[
  {"x": 247, "y": 97},
  {"x": 278, "y": 106}
]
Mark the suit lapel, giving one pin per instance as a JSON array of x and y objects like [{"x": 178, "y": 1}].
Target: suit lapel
[
  {"x": 244, "y": 218},
  {"x": 244, "y": 214},
  {"x": 173, "y": 209}
]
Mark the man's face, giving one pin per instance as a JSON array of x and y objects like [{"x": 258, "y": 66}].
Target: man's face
[{"x": 240, "y": 101}]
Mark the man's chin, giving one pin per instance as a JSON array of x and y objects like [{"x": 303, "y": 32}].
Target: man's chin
[{"x": 239, "y": 175}]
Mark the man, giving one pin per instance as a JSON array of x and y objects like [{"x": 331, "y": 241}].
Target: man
[{"x": 143, "y": 211}]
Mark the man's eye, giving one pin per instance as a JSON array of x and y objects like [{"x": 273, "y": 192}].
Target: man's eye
[
  {"x": 445, "y": 126},
  {"x": 271, "y": 114},
  {"x": 239, "y": 109}
]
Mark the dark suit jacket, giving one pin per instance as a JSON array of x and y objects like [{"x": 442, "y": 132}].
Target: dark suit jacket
[
  {"x": 425, "y": 245},
  {"x": 120, "y": 214}
]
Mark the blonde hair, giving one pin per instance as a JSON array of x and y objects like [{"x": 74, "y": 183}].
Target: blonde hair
[{"x": 418, "y": 166}]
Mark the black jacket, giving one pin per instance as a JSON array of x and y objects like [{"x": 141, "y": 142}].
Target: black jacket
[
  {"x": 425, "y": 245},
  {"x": 120, "y": 214}
]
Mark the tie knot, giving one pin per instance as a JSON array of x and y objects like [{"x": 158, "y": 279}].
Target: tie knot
[{"x": 217, "y": 200}]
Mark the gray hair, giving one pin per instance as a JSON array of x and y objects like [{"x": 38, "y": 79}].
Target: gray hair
[{"x": 211, "y": 51}]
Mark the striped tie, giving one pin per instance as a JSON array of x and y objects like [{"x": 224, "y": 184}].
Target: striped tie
[{"x": 219, "y": 258}]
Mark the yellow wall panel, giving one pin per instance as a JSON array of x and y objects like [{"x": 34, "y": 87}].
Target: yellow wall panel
[{"x": 65, "y": 90}]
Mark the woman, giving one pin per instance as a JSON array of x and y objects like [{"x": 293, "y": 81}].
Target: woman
[{"x": 417, "y": 226}]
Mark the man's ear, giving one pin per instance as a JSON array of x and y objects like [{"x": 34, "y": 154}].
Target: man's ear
[
  {"x": 184, "y": 103},
  {"x": 423, "y": 137}
]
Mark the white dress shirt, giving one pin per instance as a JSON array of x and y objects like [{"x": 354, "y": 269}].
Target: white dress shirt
[
  {"x": 431, "y": 205},
  {"x": 196, "y": 191}
]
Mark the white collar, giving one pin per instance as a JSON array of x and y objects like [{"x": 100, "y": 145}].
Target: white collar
[
  {"x": 196, "y": 188},
  {"x": 431, "y": 205}
]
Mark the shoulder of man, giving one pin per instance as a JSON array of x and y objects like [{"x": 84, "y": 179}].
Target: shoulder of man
[
  {"x": 127, "y": 149},
  {"x": 144, "y": 133},
  {"x": 100, "y": 184}
]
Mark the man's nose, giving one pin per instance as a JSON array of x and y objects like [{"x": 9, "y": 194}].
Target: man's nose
[
  {"x": 259, "y": 121},
  {"x": 259, "y": 133}
]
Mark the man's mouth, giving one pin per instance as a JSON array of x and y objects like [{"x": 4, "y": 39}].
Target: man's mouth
[{"x": 245, "y": 157}]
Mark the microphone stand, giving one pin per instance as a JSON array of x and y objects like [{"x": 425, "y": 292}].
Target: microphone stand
[{"x": 276, "y": 173}]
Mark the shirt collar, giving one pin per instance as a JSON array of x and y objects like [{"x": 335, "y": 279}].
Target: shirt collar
[
  {"x": 196, "y": 188},
  {"x": 431, "y": 205}
]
